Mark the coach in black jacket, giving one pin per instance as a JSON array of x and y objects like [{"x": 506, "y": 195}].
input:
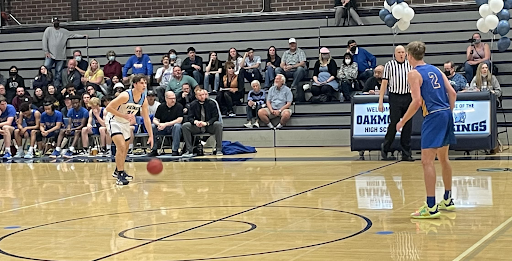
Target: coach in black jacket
[{"x": 203, "y": 117}]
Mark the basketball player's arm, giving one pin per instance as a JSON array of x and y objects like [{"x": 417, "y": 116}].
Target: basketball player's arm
[
  {"x": 89, "y": 121},
  {"x": 19, "y": 122},
  {"x": 383, "y": 89},
  {"x": 37, "y": 115},
  {"x": 415, "y": 82},
  {"x": 452, "y": 94},
  {"x": 147, "y": 122},
  {"x": 82, "y": 124},
  {"x": 58, "y": 126},
  {"x": 114, "y": 104}
]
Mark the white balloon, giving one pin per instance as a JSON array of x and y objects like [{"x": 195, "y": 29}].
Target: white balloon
[
  {"x": 484, "y": 10},
  {"x": 408, "y": 14},
  {"x": 387, "y": 6},
  {"x": 496, "y": 5},
  {"x": 491, "y": 21},
  {"x": 391, "y": 8},
  {"x": 403, "y": 25},
  {"x": 398, "y": 11},
  {"x": 482, "y": 27},
  {"x": 404, "y": 5}
]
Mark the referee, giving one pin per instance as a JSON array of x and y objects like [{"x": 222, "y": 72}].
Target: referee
[{"x": 395, "y": 77}]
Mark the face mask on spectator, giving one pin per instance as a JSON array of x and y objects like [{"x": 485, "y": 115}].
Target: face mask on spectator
[
  {"x": 325, "y": 56},
  {"x": 477, "y": 41},
  {"x": 173, "y": 56},
  {"x": 111, "y": 58},
  {"x": 12, "y": 74},
  {"x": 353, "y": 49},
  {"x": 78, "y": 58},
  {"x": 347, "y": 61},
  {"x": 447, "y": 73},
  {"x": 56, "y": 25}
]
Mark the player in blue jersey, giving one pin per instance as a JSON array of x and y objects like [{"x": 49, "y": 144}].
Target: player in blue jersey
[
  {"x": 50, "y": 124},
  {"x": 431, "y": 90},
  {"x": 7, "y": 115},
  {"x": 78, "y": 116},
  {"x": 120, "y": 115},
  {"x": 32, "y": 118}
]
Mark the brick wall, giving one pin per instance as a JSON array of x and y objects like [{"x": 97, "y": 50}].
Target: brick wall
[{"x": 41, "y": 11}]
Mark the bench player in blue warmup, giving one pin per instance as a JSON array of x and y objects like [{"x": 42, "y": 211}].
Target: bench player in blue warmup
[
  {"x": 431, "y": 90},
  {"x": 32, "y": 118},
  {"x": 120, "y": 115}
]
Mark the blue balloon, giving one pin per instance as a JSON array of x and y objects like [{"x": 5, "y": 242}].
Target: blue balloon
[
  {"x": 503, "y": 27},
  {"x": 390, "y": 20},
  {"x": 507, "y": 4},
  {"x": 391, "y": 2},
  {"x": 495, "y": 31},
  {"x": 503, "y": 44},
  {"x": 383, "y": 13},
  {"x": 480, "y": 2},
  {"x": 504, "y": 14},
  {"x": 399, "y": 1}
]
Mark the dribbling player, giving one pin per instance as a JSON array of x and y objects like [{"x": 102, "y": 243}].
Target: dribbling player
[
  {"x": 431, "y": 88},
  {"x": 120, "y": 115}
]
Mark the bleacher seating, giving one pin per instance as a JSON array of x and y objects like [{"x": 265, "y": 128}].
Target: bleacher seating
[{"x": 445, "y": 34}]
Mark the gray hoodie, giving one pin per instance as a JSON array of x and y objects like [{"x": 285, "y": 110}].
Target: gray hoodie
[{"x": 54, "y": 42}]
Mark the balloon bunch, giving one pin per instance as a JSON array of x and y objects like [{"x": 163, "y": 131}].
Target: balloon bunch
[
  {"x": 495, "y": 15},
  {"x": 397, "y": 13}
]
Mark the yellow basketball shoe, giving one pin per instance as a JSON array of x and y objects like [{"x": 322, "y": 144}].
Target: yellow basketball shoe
[
  {"x": 426, "y": 212},
  {"x": 447, "y": 204}
]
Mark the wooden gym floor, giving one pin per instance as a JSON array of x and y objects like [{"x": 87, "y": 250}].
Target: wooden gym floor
[{"x": 278, "y": 204}]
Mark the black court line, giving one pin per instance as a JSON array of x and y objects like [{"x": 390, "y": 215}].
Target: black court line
[{"x": 242, "y": 212}]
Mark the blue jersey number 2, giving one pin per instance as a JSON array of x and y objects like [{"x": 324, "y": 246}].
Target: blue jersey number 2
[{"x": 434, "y": 80}]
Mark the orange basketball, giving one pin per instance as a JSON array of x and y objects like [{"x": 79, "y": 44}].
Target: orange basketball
[{"x": 155, "y": 166}]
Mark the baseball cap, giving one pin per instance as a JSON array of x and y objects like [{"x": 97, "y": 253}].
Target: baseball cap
[
  {"x": 324, "y": 50},
  {"x": 292, "y": 40},
  {"x": 55, "y": 19},
  {"x": 119, "y": 85},
  {"x": 151, "y": 93},
  {"x": 67, "y": 97}
]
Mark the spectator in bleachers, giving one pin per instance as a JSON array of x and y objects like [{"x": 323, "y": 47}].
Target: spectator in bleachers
[
  {"x": 95, "y": 126},
  {"x": 54, "y": 46},
  {"x": 167, "y": 121},
  {"x": 230, "y": 90},
  {"x": 7, "y": 116},
  {"x": 70, "y": 75},
  {"x": 203, "y": 116},
  {"x": 366, "y": 61},
  {"x": 115, "y": 80},
  {"x": 476, "y": 53},
  {"x": 31, "y": 118},
  {"x": 13, "y": 82},
  {"x": 293, "y": 65},
  {"x": 347, "y": 75},
  {"x": 176, "y": 83},
  {"x": 39, "y": 98},
  {"x": 85, "y": 101},
  {"x": 457, "y": 81},
  {"x": 118, "y": 89},
  {"x": 58, "y": 98},
  {"x": 273, "y": 61},
  {"x": 21, "y": 97},
  {"x": 2, "y": 90},
  {"x": 139, "y": 63},
  {"x": 152, "y": 102},
  {"x": 342, "y": 8},
  {"x": 69, "y": 90},
  {"x": 50, "y": 124},
  {"x": 93, "y": 93},
  {"x": 81, "y": 63},
  {"x": 164, "y": 74},
  {"x": 67, "y": 105},
  {"x": 255, "y": 101},
  {"x": 251, "y": 66},
  {"x": 174, "y": 60},
  {"x": 94, "y": 76},
  {"x": 484, "y": 81},
  {"x": 187, "y": 96},
  {"x": 372, "y": 85},
  {"x": 193, "y": 65},
  {"x": 112, "y": 68},
  {"x": 78, "y": 116},
  {"x": 279, "y": 100},
  {"x": 235, "y": 58},
  {"x": 43, "y": 78},
  {"x": 212, "y": 73},
  {"x": 324, "y": 76}
]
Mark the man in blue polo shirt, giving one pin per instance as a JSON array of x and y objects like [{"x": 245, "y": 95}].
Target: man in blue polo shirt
[
  {"x": 51, "y": 123},
  {"x": 78, "y": 116},
  {"x": 6, "y": 125}
]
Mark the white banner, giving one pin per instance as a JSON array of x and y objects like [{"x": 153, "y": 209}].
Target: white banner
[{"x": 470, "y": 117}]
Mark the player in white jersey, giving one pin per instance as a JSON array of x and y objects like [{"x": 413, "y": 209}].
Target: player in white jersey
[{"x": 120, "y": 115}]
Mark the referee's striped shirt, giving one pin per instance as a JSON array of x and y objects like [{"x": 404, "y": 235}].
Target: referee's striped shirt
[{"x": 396, "y": 74}]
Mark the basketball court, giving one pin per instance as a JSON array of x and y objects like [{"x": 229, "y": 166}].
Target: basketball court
[{"x": 277, "y": 204}]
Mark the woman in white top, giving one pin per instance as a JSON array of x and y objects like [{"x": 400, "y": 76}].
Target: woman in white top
[
  {"x": 484, "y": 81},
  {"x": 235, "y": 58},
  {"x": 476, "y": 53}
]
